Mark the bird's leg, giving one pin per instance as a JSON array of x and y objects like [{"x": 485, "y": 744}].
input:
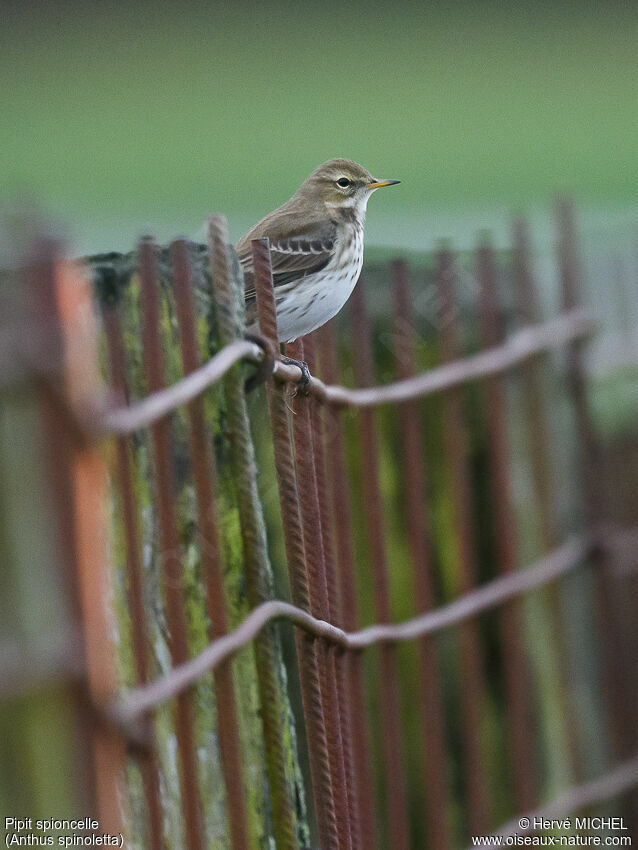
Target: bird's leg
[{"x": 302, "y": 384}]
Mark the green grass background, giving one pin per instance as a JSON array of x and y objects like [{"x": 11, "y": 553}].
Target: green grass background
[{"x": 125, "y": 119}]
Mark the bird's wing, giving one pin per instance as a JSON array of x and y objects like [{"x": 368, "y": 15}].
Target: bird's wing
[{"x": 296, "y": 251}]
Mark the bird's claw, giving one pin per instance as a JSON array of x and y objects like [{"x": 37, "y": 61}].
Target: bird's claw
[{"x": 304, "y": 380}]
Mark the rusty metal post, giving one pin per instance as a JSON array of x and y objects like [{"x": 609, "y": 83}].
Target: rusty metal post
[
  {"x": 516, "y": 673},
  {"x": 334, "y": 606},
  {"x": 255, "y": 546},
  {"x": 42, "y": 313},
  {"x": 416, "y": 511},
  {"x": 64, "y": 323},
  {"x": 296, "y": 556},
  {"x": 169, "y": 542},
  {"x": 203, "y": 477},
  {"x": 456, "y": 451},
  {"x": 363, "y": 788},
  {"x": 89, "y": 506},
  {"x": 147, "y": 758},
  {"x": 396, "y": 789},
  {"x": 613, "y": 653},
  {"x": 319, "y": 604},
  {"x": 538, "y": 441}
]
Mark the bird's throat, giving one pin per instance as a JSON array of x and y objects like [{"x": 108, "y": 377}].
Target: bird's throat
[{"x": 350, "y": 215}]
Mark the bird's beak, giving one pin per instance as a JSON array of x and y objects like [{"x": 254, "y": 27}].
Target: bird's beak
[{"x": 377, "y": 184}]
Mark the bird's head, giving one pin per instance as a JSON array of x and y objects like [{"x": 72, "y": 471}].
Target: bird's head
[{"x": 342, "y": 185}]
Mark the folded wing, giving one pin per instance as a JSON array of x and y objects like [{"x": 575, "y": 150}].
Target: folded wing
[{"x": 301, "y": 252}]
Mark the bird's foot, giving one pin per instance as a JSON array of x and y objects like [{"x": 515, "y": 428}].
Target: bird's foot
[{"x": 302, "y": 384}]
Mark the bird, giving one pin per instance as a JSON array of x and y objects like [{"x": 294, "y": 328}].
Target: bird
[{"x": 316, "y": 245}]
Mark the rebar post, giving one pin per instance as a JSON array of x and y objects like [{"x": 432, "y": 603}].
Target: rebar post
[
  {"x": 296, "y": 557},
  {"x": 203, "y": 477},
  {"x": 147, "y": 757},
  {"x": 334, "y": 606},
  {"x": 363, "y": 793},
  {"x": 620, "y": 703},
  {"x": 434, "y": 770},
  {"x": 516, "y": 673},
  {"x": 319, "y": 605},
  {"x": 169, "y": 554},
  {"x": 456, "y": 452},
  {"x": 229, "y": 301},
  {"x": 539, "y": 442},
  {"x": 396, "y": 787}
]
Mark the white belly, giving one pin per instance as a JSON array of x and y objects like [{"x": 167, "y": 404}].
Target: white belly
[{"x": 308, "y": 304}]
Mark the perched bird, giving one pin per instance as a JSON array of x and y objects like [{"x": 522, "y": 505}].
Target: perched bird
[{"x": 316, "y": 243}]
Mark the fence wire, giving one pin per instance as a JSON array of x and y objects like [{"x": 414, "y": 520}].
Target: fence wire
[
  {"x": 523, "y": 345},
  {"x": 134, "y": 704}
]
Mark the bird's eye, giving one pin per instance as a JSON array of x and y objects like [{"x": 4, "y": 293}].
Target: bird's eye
[{"x": 343, "y": 182}]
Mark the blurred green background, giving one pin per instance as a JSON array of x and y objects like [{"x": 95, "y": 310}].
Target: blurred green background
[{"x": 150, "y": 117}]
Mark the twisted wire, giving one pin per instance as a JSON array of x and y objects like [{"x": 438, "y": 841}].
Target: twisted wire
[
  {"x": 571, "y": 325},
  {"x": 562, "y": 560}
]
